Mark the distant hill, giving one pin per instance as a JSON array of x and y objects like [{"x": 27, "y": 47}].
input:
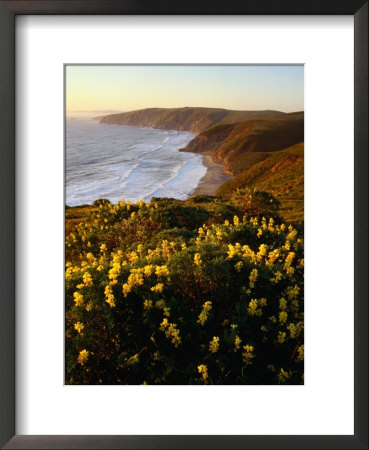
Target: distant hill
[{"x": 193, "y": 119}]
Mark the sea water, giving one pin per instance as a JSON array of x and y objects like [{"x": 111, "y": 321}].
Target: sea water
[{"x": 134, "y": 163}]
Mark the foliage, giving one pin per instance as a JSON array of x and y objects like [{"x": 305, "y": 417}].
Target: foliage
[
  {"x": 255, "y": 202},
  {"x": 172, "y": 293}
]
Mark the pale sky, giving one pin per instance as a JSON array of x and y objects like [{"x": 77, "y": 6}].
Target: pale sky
[{"x": 127, "y": 88}]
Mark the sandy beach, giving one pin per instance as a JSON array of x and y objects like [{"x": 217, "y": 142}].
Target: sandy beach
[{"x": 213, "y": 179}]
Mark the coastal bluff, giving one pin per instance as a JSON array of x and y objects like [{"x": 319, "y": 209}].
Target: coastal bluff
[{"x": 192, "y": 119}]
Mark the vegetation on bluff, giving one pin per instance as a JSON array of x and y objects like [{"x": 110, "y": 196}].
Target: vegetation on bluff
[
  {"x": 193, "y": 119},
  {"x": 203, "y": 291}
]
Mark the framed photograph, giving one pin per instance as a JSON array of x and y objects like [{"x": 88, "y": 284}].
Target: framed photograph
[{"x": 179, "y": 269}]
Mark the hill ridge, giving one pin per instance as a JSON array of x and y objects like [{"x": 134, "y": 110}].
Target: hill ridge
[{"x": 192, "y": 119}]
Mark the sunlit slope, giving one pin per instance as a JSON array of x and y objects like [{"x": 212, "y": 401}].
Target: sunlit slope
[
  {"x": 281, "y": 173},
  {"x": 193, "y": 119},
  {"x": 265, "y": 153}
]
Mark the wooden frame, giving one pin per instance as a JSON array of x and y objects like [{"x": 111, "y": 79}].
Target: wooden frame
[{"x": 8, "y": 12}]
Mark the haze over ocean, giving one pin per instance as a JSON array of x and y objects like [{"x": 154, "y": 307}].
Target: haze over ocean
[{"x": 134, "y": 163}]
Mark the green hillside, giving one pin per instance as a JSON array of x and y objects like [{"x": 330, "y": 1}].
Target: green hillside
[
  {"x": 281, "y": 173},
  {"x": 266, "y": 153}
]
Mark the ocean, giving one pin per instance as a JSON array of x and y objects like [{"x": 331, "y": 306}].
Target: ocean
[{"x": 134, "y": 163}]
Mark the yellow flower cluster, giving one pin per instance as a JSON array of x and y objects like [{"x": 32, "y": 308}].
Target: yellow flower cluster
[
  {"x": 83, "y": 357},
  {"x": 253, "y": 308},
  {"x": 277, "y": 277},
  {"x": 295, "y": 329},
  {"x": 283, "y": 316},
  {"x": 214, "y": 344},
  {"x": 109, "y": 296},
  {"x": 79, "y": 327},
  {"x": 283, "y": 376},
  {"x": 162, "y": 271},
  {"x": 282, "y": 304},
  {"x": 203, "y": 316},
  {"x": 292, "y": 292},
  {"x": 158, "y": 288},
  {"x": 300, "y": 354},
  {"x": 114, "y": 272},
  {"x": 248, "y": 354},
  {"x": 135, "y": 278},
  {"x": 238, "y": 266},
  {"x": 197, "y": 259},
  {"x": 237, "y": 343},
  {"x": 282, "y": 335},
  {"x": 78, "y": 298},
  {"x": 203, "y": 370},
  {"x": 263, "y": 249},
  {"x": 147, "y": 304},
  {"x": 171, "y": 332},
  {"x": 234, "y": 250},
  {"x": 253, "y": 277}
]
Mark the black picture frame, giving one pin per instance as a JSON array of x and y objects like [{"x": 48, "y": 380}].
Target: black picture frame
[{"x": 8, "y": 12}]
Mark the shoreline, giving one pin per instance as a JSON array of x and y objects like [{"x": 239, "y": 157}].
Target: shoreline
[{"x": 215, "y": 176}]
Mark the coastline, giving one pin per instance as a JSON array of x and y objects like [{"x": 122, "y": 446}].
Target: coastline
[{"x": 215, "y": 176}]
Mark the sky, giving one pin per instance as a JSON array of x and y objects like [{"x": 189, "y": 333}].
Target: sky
[{"x": 131, "y": 87}]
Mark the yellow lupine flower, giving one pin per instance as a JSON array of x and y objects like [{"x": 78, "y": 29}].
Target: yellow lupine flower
[
  {"x": 114, "y": 272},
  {"x": 148, "y": 270},
  {"x": 248, "y": 354},
  {"x": 282, "y": 304},
  {"x": 238, "y": 266},
  {"x": 253, "y": 308},
  {"x": 262, "y": 251},
  {"x": 68, "y": 273},
  {"x": 87, "y": 279},
  {"x": 300, "y": 353},
  {"x": 148, "y": 304},
  {"x": 253, "y": 277},
  {"x": 203, "y": 370},
  {"x": 214, "y": 344},
  {"x": 126, "y": 289},
  {"x": 281, "y": 337},
  {"x": 109, "y": 296},
  {"x": 78, "y": 299},
  {"x": 197, "y": 259},
  {"x": 89, "y": 306},
  {"x": 283, "y": 376},
  {"x": 83, "y": 357},
  {"x": 171, "y": 331},
  {"x": 79, "y": 327},
  {"x": 158, "y": 288},
  {"x": 277, "y": 277},
  {"x": 283, "y": 317},
  {"x": 203, "y": 316},
  {"x": 237, "y": 343},
  {"x": 162, "y": 271}
]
